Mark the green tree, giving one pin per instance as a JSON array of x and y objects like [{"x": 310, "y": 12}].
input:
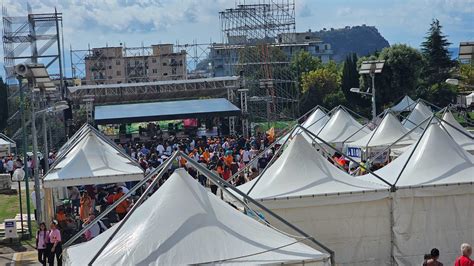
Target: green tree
[
  {"x": 322, "y": 86},
  {"x": 3, "y": 105},
  {"x": 350, "y": 79},
  {"x": 435, "y": 53}
]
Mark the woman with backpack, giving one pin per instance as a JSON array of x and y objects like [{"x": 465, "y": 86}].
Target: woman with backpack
[{"x": 42, "y": 241}]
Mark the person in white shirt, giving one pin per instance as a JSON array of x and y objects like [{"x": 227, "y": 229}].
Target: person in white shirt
[
  {"x": 160, "y": 149},
  {"x": 246, "y": 156}
]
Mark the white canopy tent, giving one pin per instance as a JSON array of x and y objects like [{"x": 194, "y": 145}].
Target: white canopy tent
[
  {"x": 189, "y": 225},
  {"x": 342, "y": 128},
  {"x": 90, "y": 159},
  {"x": 315, "y": 121},
  {"x": 470, "y": 99},
  {"x": 385, "y": 134},
  {"x": 418, "y": 115},
  {"x": 347, "y": 214},
  {"x": 6, "y": 145},
  {"x": 432, "y": 206},
  {"x": 404, "y": 105},
  {"x": 463, "y": 140}
]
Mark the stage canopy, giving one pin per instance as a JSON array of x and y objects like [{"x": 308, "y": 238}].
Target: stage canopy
[
  {"x": 155, "y": 111},
  {"x": 91, "y": 159},
  {"x": 184, "y": 224},
  {"x": 302, "y": 171},
  {"x": 406, "y": 104}
]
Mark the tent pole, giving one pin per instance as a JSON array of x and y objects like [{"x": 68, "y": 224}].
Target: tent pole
[
  {"x": 392, "y": 224},
  {"x": 113, "y": 205},
  {"x": 396, "y": 141},
  {"x": 224, "y": 185},
  {"x": 272, "y": 160},
  {"x": 345, "y": 155},
  {"x": 454, "y": 127},
  {"x": 135, "y": 206},
  {"x": 413, "y": 151}
]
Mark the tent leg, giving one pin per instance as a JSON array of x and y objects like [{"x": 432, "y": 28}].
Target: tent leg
[{"x": 392, "y": 225}]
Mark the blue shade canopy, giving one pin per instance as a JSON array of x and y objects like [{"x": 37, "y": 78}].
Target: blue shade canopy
[{"x": 143, "y": 112}]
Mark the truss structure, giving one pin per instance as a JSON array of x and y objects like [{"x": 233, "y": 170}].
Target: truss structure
[
  {"x": 149, "y": 91},
  {"x": 252, "y": 34}
]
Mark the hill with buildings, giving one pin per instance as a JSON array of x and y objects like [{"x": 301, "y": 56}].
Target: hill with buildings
[{"x": 362, "y": 40}]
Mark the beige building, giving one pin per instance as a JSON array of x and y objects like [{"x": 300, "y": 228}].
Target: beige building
[{"x": 112, "y": 65}]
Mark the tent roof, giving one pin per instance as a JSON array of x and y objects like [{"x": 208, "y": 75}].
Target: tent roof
[
  {"x": 463, "y": 140},
  {"x": 342, "y": 127},
  {"x": 302, "y": 171},
  {"x": 143, "y": 112},
  {"x": 405, "y": 104},
  {"x": 438, "y": 159},
  {"x": 4, "y": 140},
  {"x": 313, "y": 123},
  {"x": 316, "y": 121},
  {"x": 419, "y": 113},
  {"x": 91, "y": 160},
  {"x": 389, "y": 131},
  {"x": 190, "y": 225}
]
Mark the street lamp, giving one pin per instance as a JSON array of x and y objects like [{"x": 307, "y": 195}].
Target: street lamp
[
  {"x": 38, "y": 80},
  {"x": 371, "y": 68},
  {"x": 18, "y": 176}
]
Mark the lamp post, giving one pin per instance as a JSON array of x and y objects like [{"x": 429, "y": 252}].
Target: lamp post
[
  {"x": 371, "y": 68},
  {"x": 18, "y": 176},
  {"x": 38, "y": 79}
]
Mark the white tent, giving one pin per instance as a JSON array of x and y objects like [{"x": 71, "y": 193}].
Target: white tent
[
  {"x": 433, "y": 206},
  {"x": 437, "y": 160},
  {"x": 345, "y": 213},
  {"x": 418, "y": 115},
  {"x": 91, "y": 160},
  {"x": 470, "y": 99},
  {"x": 182, "y": 223},
  {"x": 301, "y": 171},
  {"x": 464, "y": 141},
  {"x": 342, "y": 128},
  {"x": 405, "y": 104},
  {"x": 6, "y": 144},
  {"x": 313, "y": 123},
  {"x": 384, "y": 135}
]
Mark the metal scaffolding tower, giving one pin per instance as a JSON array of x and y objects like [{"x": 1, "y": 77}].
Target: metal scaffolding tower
[
  {"x": 33, "y": 38},
  {"x": 252, "y": 33}
]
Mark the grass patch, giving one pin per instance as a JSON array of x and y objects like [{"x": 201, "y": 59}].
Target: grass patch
[{"x": 10, "y": 207}]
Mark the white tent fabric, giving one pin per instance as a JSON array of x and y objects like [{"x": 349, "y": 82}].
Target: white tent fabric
[
  {"x": 464, "y": 141},
  {"x": 470, "y": 99},
  {"x": 389, "y": 131},
  {"x": 313, "y": 123},
  {"x": 92, "y": 160},
  {"x": 342, "y": 128},
  {"x": 437, "y": 160},
  {"x": 5, "y": 142},
  {"x": 346, "y": 214},
  {"x": 405, "y": 104},
  {"x": 189, "y": 225},
  {"x": 302, "y": 171},
  {"x": 418, "y": 115}
]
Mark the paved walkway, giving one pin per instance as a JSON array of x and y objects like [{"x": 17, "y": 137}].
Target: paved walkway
[{"x": 19, "y": 258}]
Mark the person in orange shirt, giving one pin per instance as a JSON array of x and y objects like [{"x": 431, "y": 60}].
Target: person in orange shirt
[
  {"x": 228, "y": 159},
  {"x": 85, "y": 206},
  {"x": 122, "y": 208},
  {"x": 206, "y": 155}
]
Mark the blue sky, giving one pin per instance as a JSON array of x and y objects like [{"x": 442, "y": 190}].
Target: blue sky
[{"x": 98, "y": 22}]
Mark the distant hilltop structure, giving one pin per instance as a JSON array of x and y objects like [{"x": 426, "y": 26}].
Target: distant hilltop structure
[{"x": 362, "y": 40}]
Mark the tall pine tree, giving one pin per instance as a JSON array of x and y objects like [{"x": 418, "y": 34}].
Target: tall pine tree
[
  {"x": 350, "y": 79},
  {"x": 435, "y": 53}
]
